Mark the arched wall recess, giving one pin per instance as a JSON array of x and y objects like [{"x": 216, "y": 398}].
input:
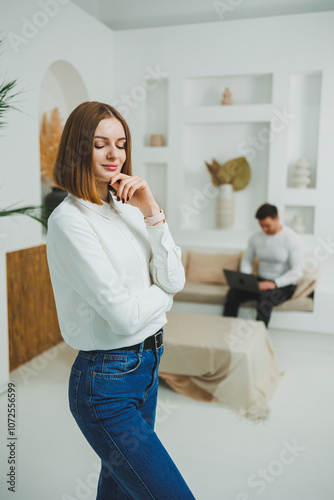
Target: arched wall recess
[{"x": 62, "y": 87}]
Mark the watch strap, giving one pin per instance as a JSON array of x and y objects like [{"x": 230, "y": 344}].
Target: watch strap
[{"x": 151, "y": 221}]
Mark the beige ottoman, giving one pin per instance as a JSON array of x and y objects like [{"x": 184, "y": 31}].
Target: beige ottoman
[{"x": 218, "y": 359}]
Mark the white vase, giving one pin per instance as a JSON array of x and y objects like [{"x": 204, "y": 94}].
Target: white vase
[
  {"x": 298, "y": 224},
  {"x": 301, "y": 177},
  {"x": 225, "y": 206}
]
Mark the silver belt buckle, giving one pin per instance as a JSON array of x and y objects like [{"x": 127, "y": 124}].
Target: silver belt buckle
[{"x": 158, "y": 340}]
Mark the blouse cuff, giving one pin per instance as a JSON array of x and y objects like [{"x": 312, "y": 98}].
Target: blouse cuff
[{"x": 157, "y": 226}]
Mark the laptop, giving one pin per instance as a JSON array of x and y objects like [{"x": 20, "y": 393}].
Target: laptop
[{"x": 242, "y": 281}]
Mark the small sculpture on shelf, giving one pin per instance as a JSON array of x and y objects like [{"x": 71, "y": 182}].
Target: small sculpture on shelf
[
  {"x": 298, "y": 224},
  {"x": 301, "y": 177},
  {"x": 157, "y": 140},
  {"x": 233, "y": 175},
  {"x": 227, "y": 97}
]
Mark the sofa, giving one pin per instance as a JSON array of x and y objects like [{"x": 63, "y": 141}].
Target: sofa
[{"x": 206, "y": 282}]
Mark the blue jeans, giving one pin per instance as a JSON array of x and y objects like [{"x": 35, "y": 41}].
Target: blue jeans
[{"x": 113, "y": 398}]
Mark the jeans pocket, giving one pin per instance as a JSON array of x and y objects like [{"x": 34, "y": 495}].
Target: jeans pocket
[
  {"x": 118, "y": 365},
  {"x": 73, "y": 391}
]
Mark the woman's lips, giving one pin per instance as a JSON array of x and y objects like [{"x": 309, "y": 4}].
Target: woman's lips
[{"x": 110, "y": 167}]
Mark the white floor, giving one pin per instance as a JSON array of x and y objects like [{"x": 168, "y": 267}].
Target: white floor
[{"x": 222, "y": 456}]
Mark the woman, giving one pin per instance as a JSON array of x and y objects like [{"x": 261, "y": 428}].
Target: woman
[{"x": 114, "y": 268}]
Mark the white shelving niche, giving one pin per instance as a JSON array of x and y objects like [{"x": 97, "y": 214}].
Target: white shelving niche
[
  {"x": 153, "y": 160},
  {"x": 156, "y": 121},
  {"x": 224, "y": 141},
  {"x": 307, "y": 214},
  {"x": 212, "y": 130},
  {"x": 246, "y": 90},
  {"x": 304, "y": 105}
]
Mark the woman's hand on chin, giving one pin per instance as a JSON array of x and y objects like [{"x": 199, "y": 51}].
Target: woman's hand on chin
[{"x": 135, "y": 191}]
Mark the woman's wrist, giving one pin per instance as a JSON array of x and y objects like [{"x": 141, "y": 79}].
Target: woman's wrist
[{"x": 151, "y": 210}]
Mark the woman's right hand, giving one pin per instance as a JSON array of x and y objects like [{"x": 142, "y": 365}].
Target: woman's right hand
[
  {"x": 135, "y": 191},
  {"x": 174, "y": 294}
]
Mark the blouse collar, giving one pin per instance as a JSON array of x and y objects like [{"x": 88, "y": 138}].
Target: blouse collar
[{"x": 107, "y": 210}]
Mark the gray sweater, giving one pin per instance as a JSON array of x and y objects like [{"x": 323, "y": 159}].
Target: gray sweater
[{"x": 280, "y": 256}]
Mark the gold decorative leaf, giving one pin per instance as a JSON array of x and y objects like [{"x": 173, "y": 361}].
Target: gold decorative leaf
[
  {"x": 236, "y": 172},
  {"x": 213, "y": 171}
]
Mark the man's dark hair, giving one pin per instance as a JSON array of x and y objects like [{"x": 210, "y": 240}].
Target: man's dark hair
[{"x": 266, "y": 210}]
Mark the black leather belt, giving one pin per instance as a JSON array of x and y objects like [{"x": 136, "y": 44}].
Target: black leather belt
[{"x": 152, "y": 342}]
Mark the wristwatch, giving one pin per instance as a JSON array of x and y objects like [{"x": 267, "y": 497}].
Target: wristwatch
[{"x": 152, "y": 221}]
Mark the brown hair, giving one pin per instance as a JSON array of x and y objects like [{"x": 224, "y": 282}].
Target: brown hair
[{"x": 73, "y": 167}]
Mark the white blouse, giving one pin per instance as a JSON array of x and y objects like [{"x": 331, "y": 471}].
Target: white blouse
[{"x": 112, "y": 276}]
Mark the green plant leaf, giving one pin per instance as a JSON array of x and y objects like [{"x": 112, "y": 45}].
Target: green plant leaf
[{"x": 35, "y": 212}]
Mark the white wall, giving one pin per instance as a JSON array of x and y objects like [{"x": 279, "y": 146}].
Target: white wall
[
  {"x": 73, "y": 36},
  {"x": 282, "y": 46}
]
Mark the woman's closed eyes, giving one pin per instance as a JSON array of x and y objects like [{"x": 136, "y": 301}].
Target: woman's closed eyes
[{"x": 119, "y": 146}]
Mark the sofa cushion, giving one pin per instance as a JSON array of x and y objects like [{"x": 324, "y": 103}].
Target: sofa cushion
[
  {"x": 301, "y": 304},
  {"x": 215, "y": 294},
  {"x": 208, "y": 268},
  {"x": 202, "y": 293},
  {"x": 307, "y": 283}
]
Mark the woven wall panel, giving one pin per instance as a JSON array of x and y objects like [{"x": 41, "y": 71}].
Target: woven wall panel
[{"x": 32, "y": 317}]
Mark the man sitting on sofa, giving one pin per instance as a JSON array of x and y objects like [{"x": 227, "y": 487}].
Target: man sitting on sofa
[{"x": 280, "y": 255}]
